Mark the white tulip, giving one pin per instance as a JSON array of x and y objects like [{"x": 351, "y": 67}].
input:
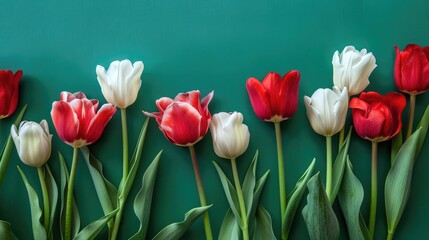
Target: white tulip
[
  {"x": 121, "y": 83},
  {"x": 230, "y": 136},
  {"x": 33, "y": 142},
  {"x": 352, "y": 69},
  {"x": 327, "y": 110}
]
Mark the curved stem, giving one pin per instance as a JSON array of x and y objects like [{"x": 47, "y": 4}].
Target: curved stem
[
  {"x": 203, "y": 202},
  {"x": 124, "y": 143},
  {"x": 329, "y": 166},
  {"x": 373, "y": 208},
  {"x": 118, "y": 217},
  {"x": 282, "y": 181},
  {"x": 67, "y": 231},
  {"x": 241, "y": 202},
  {"x": 411, "y": 114},
  {"x": 41, "y": 172}
]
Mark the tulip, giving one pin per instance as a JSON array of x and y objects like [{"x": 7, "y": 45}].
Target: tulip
[
  {"x": 9, "y": 92},
  {"x": 76, "y": 119},
  {"x": 120, "y": 84},
  {"x": 276, "y": 98},
  {"x": 327, "y": 110},
  {"x": 33, "y": 142},
  {"x": 377, "y": 118},
  {"x": 352, "y": 69},
  {"x": 230, "y": 135}
]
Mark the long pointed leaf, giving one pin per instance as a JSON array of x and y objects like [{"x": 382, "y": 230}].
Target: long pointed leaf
[
  {"x": 176, "y": 230},
  {"x": 249, "y": 183},
  {"x": 259, "y": 186},
  {"x": 91, "y": 231},
  {"x": 143, "y": 200},
  {"x": 53, "y": 199},
  {"x": 6, "y": 231},
  {"x": 295, "y": 198},
  {"x": 423, "y": 124},
  {"x": 339, "y": 166},
  {"x": 36, "y": 213},
  {"x": 263, "y": 226},
  {"x": 230, "y": 228}
]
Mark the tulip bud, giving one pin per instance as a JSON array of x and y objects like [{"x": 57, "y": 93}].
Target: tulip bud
[
  {"x": 352, "y": 69},
  {"x": 121, "y": 83},
  {"x": 230, "y": 135},
  {"x": 9, "y": 92},
  {"x": 33, "y": 142},
  {"x": 327, "y": 110}
]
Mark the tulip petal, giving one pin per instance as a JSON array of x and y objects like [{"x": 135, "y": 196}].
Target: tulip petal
[
  {"x": 99, "y": 122},
  {"x": 191, "y": 97},
  {"x": 65, "y": 121},
  {"x": 85, "y": 112},
  {"x": 259, "y": 98},
  {"x": 288, "y": 101}
]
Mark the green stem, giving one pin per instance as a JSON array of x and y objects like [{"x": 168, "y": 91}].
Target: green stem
[
  {"x": 41, "y": 172},
  {"x": 203, "y": 202},
  {"x": 329, "y": 166},
  {"x": 67, "y": 231},
  {"x": 373, "y": 208},
  {"x": 411, "y": 114},
  {"x": 241, "y": 202},
  {"x": 389, "y": 236},
  {"x": 124, "y": 143},
  {"x": 282, "y": 181},
  {"x": 341, "y": 138},
  {"x": 118, "y": 217}
]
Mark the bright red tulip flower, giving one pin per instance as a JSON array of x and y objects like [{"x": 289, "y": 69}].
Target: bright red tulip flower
[
  {"x": 76, "y": 118},
  {"x": 412, "y": 69},
  {"x": 276, "y": 98},
  {"x": 185, "y": 119},
  {"x": 376, "y": 117},
  {"x": 9, "y": 92}
]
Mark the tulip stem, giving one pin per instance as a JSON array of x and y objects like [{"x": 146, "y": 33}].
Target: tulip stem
[
  {"x": 241, "y": 202},
  {"x": 124, "y": 143},
  {"x": 329, "y": 167},
  {"x": 282, "y": 182},
  {"x": 389, "y": 236},
  {"x": 203, "y": 202},
  {"x": 373, "y": 208},
  {"x": 411, "y": 114},
  {"x": 67, "y": 231},
  {"x": 41, "y": 171}
]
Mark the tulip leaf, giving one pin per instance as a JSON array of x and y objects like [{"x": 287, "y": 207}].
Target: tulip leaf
[
  {"x": 53, "y": 198},
  {"x": 339, "y": 166},
  {"x": 143, "y": 200},
  {"x": 230, "y": 228},
  {"x": 75, "y": 219},
  {"x": 295, "y": 198},
  {"x": 231, "y": 195},
  {"x": 36, "y": 213},
  {"x": 6, "y": 231},
  {"x": 318, "y": 214},
  {"x": 91, "y": 231},
  {"x": 106, "y": 191},
  {"x": 263, "y": 226},
  {"x": 176, "y": 230},
  {"x": 249, "y": 184},
  {"x": 259, "y": 186},
  {"x": 424, "y": 124},
  {"x": 8, "y": 147},
  {"x": 350, "y": 197},
  {"x": 398, "y": 181},
  {"x": 396, "y": 145}
]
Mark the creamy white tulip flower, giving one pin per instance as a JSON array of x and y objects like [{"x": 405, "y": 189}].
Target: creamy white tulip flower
[
  {"x": 230, "y": 136},
  {"x": 352, "y": 69},
  {"x": 327, "y": 110},
  {"x": 121, "y": 83},
  {"x": 33, "y": 142}
]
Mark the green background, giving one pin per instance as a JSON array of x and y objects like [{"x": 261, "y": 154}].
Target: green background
[{"x": 205, "y": 45}]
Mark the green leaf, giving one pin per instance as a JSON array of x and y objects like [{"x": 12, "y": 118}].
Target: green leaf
[
  {"x": 53, "y": 198},
  {"x": 396, "y": 145},
  {"x": 230, "y": 228},
  {"x": 36, "y": 213},
  {"x": 176, "y": 230},
  {"x": 91, "y": 231},
  {"x": 339, "y": 166},
  {"x": 6, "y": 231},
  {"x": 350, "y": 197},
  {"x": 231, "y": 194},
  {"x": 75, "y": 220},
  {"x": 106, "y": 191},
  {"x": 295, "y": 198},
  {"x": 424, "y": 124},
  {"x": 318, "y": 214},
  {"x": 398, "y": 181},
  {"x": 259, "y": 186},
  {"x": 124, "y": 187},
  {"x": 143, "y": 200},
  {"x": 249, "y": 184},
  {"x": 263, "y": 226},
  {"x": 8, "y": 147}
]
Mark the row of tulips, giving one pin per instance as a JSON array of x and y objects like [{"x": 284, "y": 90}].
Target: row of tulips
[{"x": 186, "y": 119}]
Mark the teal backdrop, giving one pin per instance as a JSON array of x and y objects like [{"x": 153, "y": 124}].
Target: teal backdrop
[{"x": 210, "y": 46}]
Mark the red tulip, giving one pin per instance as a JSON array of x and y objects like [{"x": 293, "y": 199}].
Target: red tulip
[
  {"x": 376, "y": 117},
  {"x": 9, "y": 92},
  {"x": 412, "y": 69},
  {"x": 76, "y": 118},
  {"x": 276, "y": 98},
  {"x": 183, "y": 120}
]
